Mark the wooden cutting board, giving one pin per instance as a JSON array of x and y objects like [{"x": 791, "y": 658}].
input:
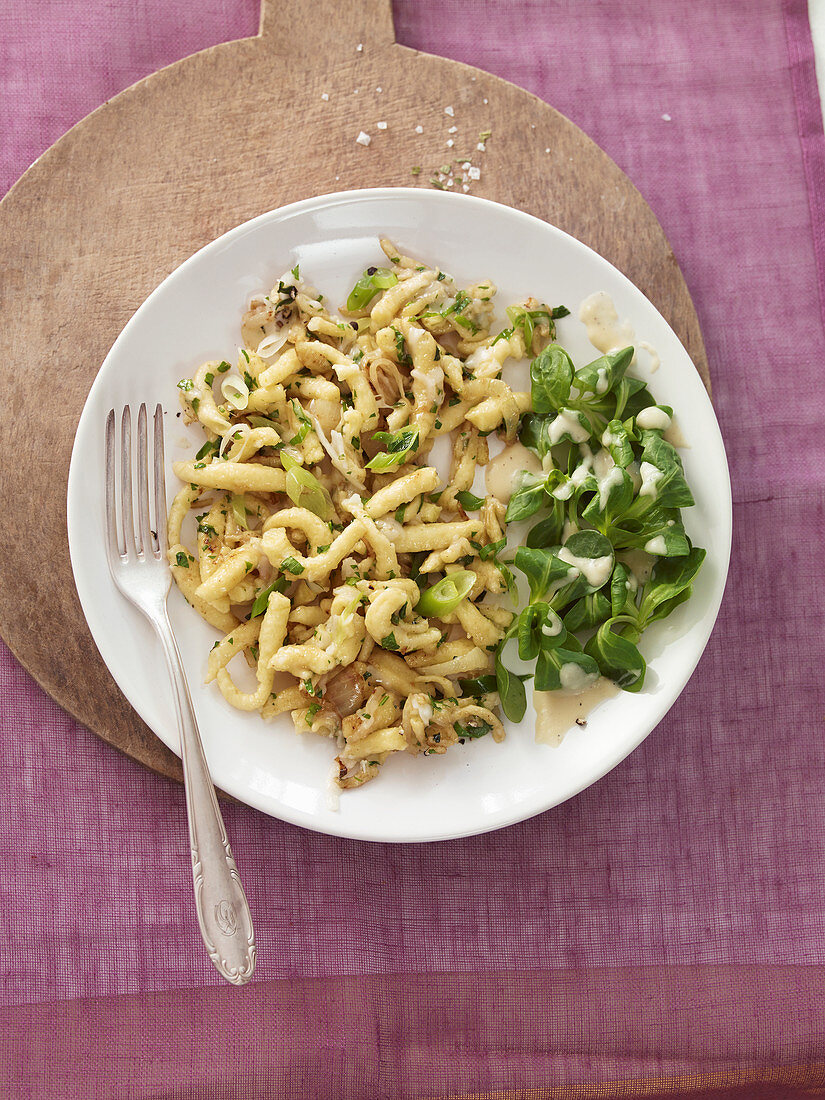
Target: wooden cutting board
[{"x": 151, "y": 176}]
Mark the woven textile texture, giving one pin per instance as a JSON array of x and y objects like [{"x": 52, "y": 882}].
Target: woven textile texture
[{"x": 661, "y": 934}]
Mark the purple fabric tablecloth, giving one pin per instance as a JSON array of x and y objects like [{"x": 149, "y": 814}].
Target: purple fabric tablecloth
[{"x": 661, "y": 934}]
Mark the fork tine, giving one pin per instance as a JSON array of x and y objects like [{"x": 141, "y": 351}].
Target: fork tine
[
  {"x": 160, "y": 483},
  {"x": 141, "y": 478},
  {"x": 112, "y": 544},
  {"x": 126, "y": 511}
]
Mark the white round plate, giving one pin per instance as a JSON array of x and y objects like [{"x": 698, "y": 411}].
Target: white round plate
[{"x": 194, "y": 315}]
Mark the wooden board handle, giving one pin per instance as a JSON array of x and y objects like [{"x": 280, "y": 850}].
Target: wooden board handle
[{"x": 312, "y": 31}]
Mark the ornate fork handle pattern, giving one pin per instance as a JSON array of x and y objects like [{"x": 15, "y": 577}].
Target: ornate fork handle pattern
[
  {"x": 223, "y": 911},
  {"x": 135, "y": 550}
]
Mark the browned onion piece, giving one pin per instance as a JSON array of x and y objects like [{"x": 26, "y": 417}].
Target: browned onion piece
[{"x": 346, "y": 692}]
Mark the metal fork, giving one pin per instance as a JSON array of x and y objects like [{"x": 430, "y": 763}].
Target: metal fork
[{"x": 137, "y": 560}]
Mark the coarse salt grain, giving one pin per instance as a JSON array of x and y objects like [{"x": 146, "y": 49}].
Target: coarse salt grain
[
  {"x": 419, "y": 129},
  {"x": 465, "y": 187},
  {"x": 363, "y": 139},
  {"x": 547, "y": 150},
  {"x": 449, "y": 143},
  {"x": 474, "y": 173},
  {"x": 359, "y": 47},
  {"x": 381, "y": 125},
  {"x": 484, "y": 101},
  {"x": 666, "y": 118},
  {"x": 325, "y": 96},
  {"x": 449, "y": 111},
  {"x": 452, "y": 129},
  {"x": 379, "y": 89},
  {"x": 481, "y": 146}
]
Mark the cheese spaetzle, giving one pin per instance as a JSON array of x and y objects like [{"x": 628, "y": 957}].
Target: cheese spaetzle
[{"x": 329, "y": 550}]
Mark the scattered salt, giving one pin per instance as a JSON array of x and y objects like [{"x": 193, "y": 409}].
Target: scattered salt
[
  {"x": 547, "y": 150},
  {"x": 381, "y": 125},
  {"x": 379, "y": 89},
  {"x": 449, "y": 111},
  {"x": 363, "y": 139},
  {"x": 481, "y": 146},
  {"x": 452, "y": 129},
  {"x": 465, "y": 187},
  {"x": 666, "y": 118},
  {"x": 359, "y": 47},
  {"x": 449, "y": 143},
  {"x": 484, "y": 101},
  {"x": 419, "y": 129},
  {"x": 325, "y": 96},
  {"x": 474, "y": 173}
]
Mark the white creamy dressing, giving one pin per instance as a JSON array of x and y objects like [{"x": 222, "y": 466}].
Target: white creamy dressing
[
  {"x": 650, "y": 475},
  {"x": 638, "y": 563},
  {"x": 656, "y": 546},
  {"x": 654, "y": 418},
  {"x": 596, "y": 571},
  {"x": 655, "y": 361},
  {"x": 501, "y": 475},
  {"x": 607, "y": 474},
  {"x": 574, "y": 678},
  {"x": 601, "y": 466},
  {"x": 557, "y": 711},
  {"x": 555, "y": 626},
  {"x": 598, "y": 315},
  {"x": 674, "y": 436},
  {"x": 567, "y": 424},
  {"x": 577, "y": 478}
]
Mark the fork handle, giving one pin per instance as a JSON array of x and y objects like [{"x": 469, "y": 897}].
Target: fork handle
[{"x": 223, "y": 911}]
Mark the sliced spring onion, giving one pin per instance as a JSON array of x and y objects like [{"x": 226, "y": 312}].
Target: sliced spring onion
[
  {"x": 305, "y": 490},
  {"x": 272, "y": 344},
  {"x": 234, "y": 434},
  {"x": 239, "y": 511},
  {"x": 235, "y": 391},
  {"x": 373, "y": 280},
  {"x": 446, "y": 594}
]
